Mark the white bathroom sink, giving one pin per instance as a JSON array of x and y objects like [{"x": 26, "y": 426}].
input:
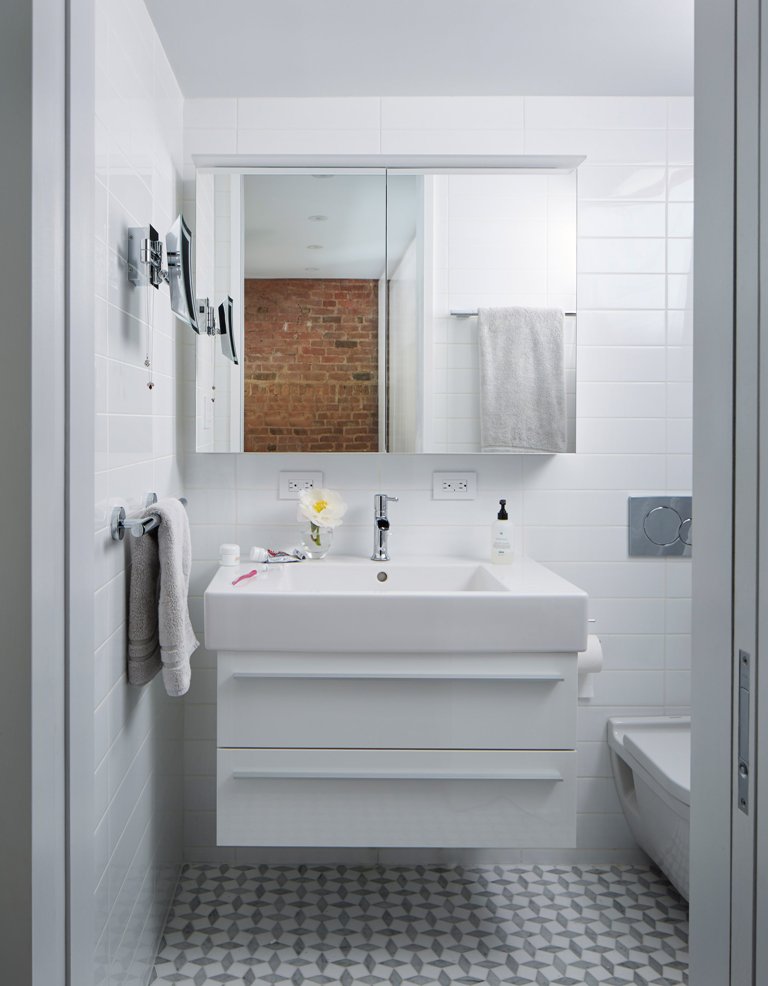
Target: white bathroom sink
[
  {"x": 411, "y": 605},
  {"x": 333, "y": 577}
]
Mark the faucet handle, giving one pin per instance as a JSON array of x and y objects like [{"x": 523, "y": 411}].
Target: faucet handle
[{"x": 381, "y": 499}]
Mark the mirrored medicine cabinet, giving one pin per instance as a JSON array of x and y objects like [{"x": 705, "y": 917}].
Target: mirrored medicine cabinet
[{"x": 356, "y": 293}]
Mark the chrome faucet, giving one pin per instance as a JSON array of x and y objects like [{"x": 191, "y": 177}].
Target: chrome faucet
[{"x": 381, "y": 526}]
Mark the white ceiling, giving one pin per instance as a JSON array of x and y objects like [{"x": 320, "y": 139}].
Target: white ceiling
[
  {"x": 366, "y": 224},
  {"x": 279, "y": 235},
  {"x": 428, "y": 47}
]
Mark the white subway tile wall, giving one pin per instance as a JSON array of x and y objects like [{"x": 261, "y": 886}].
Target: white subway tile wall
[
  {"x": 634, "y": 409},
  {"x": 138, "y": 732}
]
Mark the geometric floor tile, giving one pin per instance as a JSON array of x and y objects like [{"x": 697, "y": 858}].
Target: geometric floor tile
[{"x": 398, "y": 925}]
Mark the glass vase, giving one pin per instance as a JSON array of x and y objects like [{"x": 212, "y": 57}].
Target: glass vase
[{"x": 316, "y": 540}]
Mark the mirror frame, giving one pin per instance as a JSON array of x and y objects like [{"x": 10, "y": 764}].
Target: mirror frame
[{"x": 235, "y": 164}]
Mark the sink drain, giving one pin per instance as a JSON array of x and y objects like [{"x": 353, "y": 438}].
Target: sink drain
[{"x": 382, "y": 576}]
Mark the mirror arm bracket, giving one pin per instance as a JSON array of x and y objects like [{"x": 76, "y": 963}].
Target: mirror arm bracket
[{"x": 145, "y": 257}]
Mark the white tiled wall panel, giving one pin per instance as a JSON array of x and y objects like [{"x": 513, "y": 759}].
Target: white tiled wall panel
[
  {"x": 634, "y": 371},
  {"x": 138, "y": 732}
]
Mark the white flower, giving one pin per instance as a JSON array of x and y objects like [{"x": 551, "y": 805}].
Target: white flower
[{"x": 324, "y": 508}]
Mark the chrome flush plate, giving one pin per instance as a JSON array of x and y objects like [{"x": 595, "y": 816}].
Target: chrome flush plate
[{"x": 660, "y": 526}]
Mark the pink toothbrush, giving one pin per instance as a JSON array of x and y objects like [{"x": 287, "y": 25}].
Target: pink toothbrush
[{"x": 248, "y": 575}]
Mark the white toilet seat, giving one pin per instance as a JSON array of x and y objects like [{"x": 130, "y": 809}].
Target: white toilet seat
[
  {"x": 651, "y": 761},
  {"x": 666, "y": 755},
  {"x": 661, "y": 745}
]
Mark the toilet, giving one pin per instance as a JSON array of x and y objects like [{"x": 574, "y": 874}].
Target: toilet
[{"x": 651, "y": 761}]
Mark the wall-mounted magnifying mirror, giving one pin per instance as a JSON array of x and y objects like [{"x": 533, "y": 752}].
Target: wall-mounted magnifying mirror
[
  {"x": 227, "y": 329},
  {"x": 357, "y": 324},
  {"x": 144, "y": 263},
  {"x": 178, "y": 246}
]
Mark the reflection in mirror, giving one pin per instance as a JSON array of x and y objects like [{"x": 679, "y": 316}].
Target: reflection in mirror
[
  {"x": 495, "y": 241},
  {"x": 356, "y": 298},
  {"x": 315, "y": 257},
  {"x": 218, "y": 253},
  {"x": 407, "y": 278}
]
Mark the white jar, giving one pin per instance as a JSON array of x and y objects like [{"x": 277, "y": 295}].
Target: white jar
[{"x": 229, "y": 554}]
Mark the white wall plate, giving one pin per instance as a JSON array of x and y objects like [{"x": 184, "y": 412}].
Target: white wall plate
[
  {"x": 454, "y": 485},
  {"x": 290, "y": 484}
]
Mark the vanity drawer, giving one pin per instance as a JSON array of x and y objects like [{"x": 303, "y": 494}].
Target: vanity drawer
[
  {"x": 459, "y": 798},
  {"x": 396, "y": 701}
]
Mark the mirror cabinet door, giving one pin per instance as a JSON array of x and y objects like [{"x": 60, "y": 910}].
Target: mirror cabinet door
[{"x": 307, "y": 255}]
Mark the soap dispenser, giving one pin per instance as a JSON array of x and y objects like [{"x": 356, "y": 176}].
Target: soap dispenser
[{"x": 501, "y": 537}]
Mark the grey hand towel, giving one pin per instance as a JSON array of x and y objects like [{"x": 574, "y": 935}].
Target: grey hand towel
[
  {"x": 522, "y": 379},
  {"x": 160, "y": 633}
]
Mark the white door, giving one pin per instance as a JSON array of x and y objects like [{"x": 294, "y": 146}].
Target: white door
[
  {"x": 729, "y": 849},
  {"x": 748, "y": 437}
]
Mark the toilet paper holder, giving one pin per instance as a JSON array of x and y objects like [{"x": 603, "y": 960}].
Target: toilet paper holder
[{"x": 589, "y": 662}]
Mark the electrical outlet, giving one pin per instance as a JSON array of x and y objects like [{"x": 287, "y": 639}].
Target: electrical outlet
[
  {"x": 292, "y": 483},
  {"x": 454, "y": 485}
]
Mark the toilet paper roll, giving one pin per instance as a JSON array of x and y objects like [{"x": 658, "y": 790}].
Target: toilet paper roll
[{"x": 588, "y": 663}]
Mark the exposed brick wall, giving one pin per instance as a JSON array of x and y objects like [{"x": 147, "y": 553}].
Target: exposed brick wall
[{"x": 310, "y": 366}]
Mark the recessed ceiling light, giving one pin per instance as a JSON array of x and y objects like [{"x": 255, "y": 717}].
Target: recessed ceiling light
[
  {"x": 314, "y": 246},
  {"x": 317, "y": 219}
]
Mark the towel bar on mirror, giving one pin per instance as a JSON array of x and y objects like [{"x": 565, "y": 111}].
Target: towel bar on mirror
[
  {"x": 138, "y": 527},
  {"x": 472, "y": 313}
]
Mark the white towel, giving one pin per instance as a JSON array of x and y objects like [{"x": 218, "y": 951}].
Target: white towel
[
  {"x": 522, "y": 380},
  {"x": 160, "y": 632}
]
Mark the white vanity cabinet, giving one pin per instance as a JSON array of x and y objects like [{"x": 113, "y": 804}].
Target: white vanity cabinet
[
  {"x": 396, "y": 797},
  {"x": 387, "y": 701},
  {"x": 375, "y": 748}
]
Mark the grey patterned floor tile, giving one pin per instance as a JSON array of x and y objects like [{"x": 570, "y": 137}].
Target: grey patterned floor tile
[{"x": 421, "y": 926}]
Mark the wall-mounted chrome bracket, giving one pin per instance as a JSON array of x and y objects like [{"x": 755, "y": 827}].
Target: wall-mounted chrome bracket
[
  {"x": 138, "y": 526},
  {"x": 145, "y": 257},
  {"x": 206, "y": 317}
]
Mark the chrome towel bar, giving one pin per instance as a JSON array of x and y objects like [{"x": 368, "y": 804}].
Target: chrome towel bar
[
  {"x": 472, "y": 313},
  {"x": 543, "y": 677},
  {"x": 138, "y": 526}
]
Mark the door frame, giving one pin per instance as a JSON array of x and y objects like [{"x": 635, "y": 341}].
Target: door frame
[
  {"x": 32, "y": 449},
  {"x": 717, "y": 957},
  {"x": 79, "y": 529},
  {"x": 713, "y": 472}
]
